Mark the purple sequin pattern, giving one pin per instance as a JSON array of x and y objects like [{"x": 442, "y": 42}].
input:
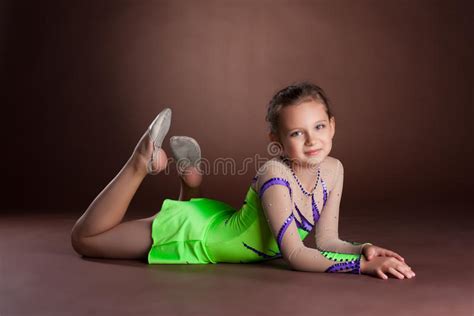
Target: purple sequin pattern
[
  {"x": 262, "y": 254},
  {"x": 274, "y": 181},
  {"x": 265, "y": 186},
  {"x": 283, "y": 229},
  {"x": 325, "y": 192},
  {"x": 305, "y": 224},
  {"x": 354, "y": 267}
]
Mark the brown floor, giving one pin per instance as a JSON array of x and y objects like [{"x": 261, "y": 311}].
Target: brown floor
[{"x": 40, "y": 274}]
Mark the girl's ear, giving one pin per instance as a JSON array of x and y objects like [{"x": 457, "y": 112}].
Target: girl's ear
[
  {"x": 275, "y": 139},
  {"x": 272, "y": 137}
]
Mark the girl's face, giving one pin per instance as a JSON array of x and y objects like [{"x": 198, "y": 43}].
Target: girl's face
[{"x": 305, "y": 132}]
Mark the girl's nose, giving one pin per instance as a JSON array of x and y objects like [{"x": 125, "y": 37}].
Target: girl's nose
[{"x": 310, "y": 139}]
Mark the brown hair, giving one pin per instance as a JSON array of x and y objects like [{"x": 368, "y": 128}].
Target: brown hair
[{"x": 293, "y": 95}]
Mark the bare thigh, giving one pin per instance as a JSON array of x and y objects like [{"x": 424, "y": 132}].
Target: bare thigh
[{"x": 127, "y": 240}]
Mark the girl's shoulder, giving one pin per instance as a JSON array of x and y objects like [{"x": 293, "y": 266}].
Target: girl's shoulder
[
  {"x": 330, "y": 164},
  {"x": 330, "y": 170},
  {"x": 273, "y": 168}
]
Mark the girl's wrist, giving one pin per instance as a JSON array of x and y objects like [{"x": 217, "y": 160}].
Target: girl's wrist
[{"x": 364, "y": 245}]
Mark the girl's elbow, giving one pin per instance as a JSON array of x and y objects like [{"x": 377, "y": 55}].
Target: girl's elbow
[{"x": 292, "y": 264}]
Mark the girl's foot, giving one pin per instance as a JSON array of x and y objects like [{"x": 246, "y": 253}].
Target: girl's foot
[
  {"x": 187, "y": 155},
  {"x": 148, "y": 156},
  {"x": 191, "y": 177}
]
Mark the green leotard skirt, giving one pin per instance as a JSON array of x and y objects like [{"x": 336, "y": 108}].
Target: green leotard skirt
[{"x": 203, "y": 230}]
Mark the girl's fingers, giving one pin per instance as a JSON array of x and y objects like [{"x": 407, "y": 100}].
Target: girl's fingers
[
  {"x": 406, "y": 270},
  {"x": 396, "y": 273},
  {"x": 381, "y": 274},
  {"x": 390, "y": 253}
]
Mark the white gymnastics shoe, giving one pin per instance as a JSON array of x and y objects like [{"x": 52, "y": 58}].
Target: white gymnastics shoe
[
  {"x": 186, "y": 152},
  {"x": 157, "y": 132}
]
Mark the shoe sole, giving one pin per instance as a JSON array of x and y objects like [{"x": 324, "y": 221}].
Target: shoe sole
[{"x": 186, "y": 151}]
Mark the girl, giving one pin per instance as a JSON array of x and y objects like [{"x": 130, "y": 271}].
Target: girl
[{"x": 291, "y": 194}]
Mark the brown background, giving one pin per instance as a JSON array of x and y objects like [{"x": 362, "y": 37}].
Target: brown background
[{"x": 82, "y": 80}]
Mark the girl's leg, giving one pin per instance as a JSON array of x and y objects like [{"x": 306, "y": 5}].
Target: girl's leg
[{"x": 99, "y": 231}]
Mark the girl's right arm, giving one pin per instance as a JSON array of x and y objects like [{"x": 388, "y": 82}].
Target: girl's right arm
[{"x": 276, "y": 198}]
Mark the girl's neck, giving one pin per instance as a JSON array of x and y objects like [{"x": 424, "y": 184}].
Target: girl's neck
[{"x": 305, "y": 173}]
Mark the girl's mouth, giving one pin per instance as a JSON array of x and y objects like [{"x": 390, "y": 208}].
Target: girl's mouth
[{"x": 313, "y": 152}]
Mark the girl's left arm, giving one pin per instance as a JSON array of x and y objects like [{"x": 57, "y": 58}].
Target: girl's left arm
[
  {"x": 326, "y": 230},
  {"x": 327, "y": 235}
]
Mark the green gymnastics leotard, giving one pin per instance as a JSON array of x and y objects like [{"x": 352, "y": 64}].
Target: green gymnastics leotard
[{"x": 202, "y": 230}]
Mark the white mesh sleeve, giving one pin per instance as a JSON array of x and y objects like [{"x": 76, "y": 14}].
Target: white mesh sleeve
[{"x": 326, "y": 230}]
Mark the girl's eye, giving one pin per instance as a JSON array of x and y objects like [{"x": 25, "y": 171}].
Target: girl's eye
[
  {"x": 320, "y": 126},
  {"x": 297, "y": 133}
]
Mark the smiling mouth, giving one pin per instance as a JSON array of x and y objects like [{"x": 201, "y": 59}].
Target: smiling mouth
[{"x": 312, "y": 152}]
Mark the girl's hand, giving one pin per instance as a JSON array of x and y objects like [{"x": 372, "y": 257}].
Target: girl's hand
[
  {"x": 378, "y": 266},
  {"x": 371, "y": 251}
]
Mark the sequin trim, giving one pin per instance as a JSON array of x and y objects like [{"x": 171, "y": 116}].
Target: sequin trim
[
  {"x": 354, "y": 267},
  {"x": 305, "y": 224},
  {"x": 283, "y": 229},
  {"x": 262, "y": 254},
  {"x": 315, "y": 210},
  {"x": 325, "y": 192},
  {"x": 274, "y": 181},
  {"x": 298, "y": 181}
]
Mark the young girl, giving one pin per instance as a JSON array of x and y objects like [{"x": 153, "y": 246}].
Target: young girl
[{"x": 291, "y": 194}]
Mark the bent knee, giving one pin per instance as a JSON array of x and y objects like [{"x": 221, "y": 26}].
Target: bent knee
[
  {"x": 80, "y": 245},
  {"x": 84, "y": 246}
]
